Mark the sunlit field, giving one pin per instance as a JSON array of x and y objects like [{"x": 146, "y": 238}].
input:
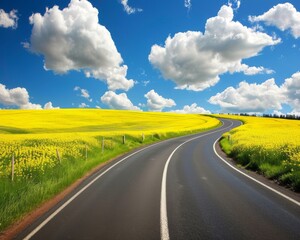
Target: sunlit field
[
  {"x": 50, "y": 149},
  {"x": 268, "y": 145},
  {"x": 34, "y": 137}
]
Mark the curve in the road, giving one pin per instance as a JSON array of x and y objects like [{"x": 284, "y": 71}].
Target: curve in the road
[
  {"x": 163, "y": 200},
  {"x": 175, "y": 189}
]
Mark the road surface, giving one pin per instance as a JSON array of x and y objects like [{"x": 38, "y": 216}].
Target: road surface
[{"x": 176, "y": 189}]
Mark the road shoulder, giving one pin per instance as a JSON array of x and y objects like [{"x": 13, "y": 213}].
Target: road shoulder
[{"x": 271, "y": 183}]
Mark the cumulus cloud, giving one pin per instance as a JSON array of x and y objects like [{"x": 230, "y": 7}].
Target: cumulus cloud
[
  {"x": 49, "y": 105},
  {"x": 129, "y": 10},
  {"x": 83, "y": 93},
  {"x": 18, "y": 97},
  {"x": 291, "y": 90},
  {"x": 8, "y": 20},
  {"x": 284, "y": 16},
  {"x": 72, "y": 39},
  {"x": 192, "y": 109},
  {"x": 195, "y": 60},
  {"x": 250, "y": 97},
  {"x": 157, "y": 103},
  {"x": 258, "y": 98},
  {"x": 118, "y": 101}
]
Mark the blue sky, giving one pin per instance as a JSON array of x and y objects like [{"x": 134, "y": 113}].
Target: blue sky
[{"x": 185, "y": 56}]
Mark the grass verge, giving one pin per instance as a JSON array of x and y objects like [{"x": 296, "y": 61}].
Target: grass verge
[
  {"x": 20, "y": 197},
  {"x": 273, "y": 164}
]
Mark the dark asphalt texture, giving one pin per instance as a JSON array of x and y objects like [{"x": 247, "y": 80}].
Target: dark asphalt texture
[{"x": 206, "y": 199}]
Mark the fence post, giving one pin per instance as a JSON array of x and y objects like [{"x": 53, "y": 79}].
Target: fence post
[
  {"x": 13, "y": 167},
  {"x": 58, "y": 156},
  {"x": 86, "y": 152},
  {"x": 124, "y": 140},
  {"x": 102, "y": 150},
  {"x": 143, "y": 137}
]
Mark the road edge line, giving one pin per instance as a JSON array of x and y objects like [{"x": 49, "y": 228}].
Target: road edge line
[
  {"x": 253, "y": 179},
  {"x": 164, "y": 229},
  {"x": 48, "y": 219}
]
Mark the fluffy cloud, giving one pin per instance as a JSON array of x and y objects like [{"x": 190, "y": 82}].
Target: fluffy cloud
[
  {"x": 83, "y": 93},
  {"x": 49, "y": 105},
  {"x": 8, "y": 19},
  {"x": 194, "y": 60},
  {"x": 260, "y": 97},
  {"x": 73, "y": 39},
  {"x": 128, "y": 9},
  {"x": 18, "y": 97},
  {"x": 118, "y": 101},
  {"x": 283, "y": 16},
  {"x": 250, "y": 97},
  {"x": 192, "y": 109},
  {"x": 155, "y": 102},
  {"x": 291, "y": 90}
]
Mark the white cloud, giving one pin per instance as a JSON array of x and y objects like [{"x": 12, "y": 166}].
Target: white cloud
[
  {"x": 234, "y": 4},
  {"x": 155, "y": 102},
  {"x": 194, "y": 60},
  {"x": 9, "y": 19},
  {"x": 128, "y": 9},
  {"x": 294, "y": 113},
  {"x": 78, "y": 42},
  {"x": 291, "y": 89},
  {"x": 250, "y": 97},
  {"x": 278, "y": 113},
  {"x": 253, "y": 70},
  {"x": 193, "y": 109},
  {"x": 188, "y": 4},
  {"x": 83, "y": 93},
  {"x": 284, "y": 16},
  {"x": 49, "y": 105},
  {"x": 83, "y": 105},
  {"x": 18, "y": 97},
  {"x": 258, "y": 98},
  {"x": 118, "y": 101}
]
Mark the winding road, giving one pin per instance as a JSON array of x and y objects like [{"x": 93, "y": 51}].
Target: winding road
[{"x": 175, "y": 189}]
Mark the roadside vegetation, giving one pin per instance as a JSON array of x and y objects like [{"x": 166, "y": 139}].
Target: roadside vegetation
[
  {"x": 43, "y": 152},
  {"x": 269, "y": 146}
]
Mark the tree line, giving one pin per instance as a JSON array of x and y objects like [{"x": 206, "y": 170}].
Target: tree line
[{"x": 267, "y": 115}]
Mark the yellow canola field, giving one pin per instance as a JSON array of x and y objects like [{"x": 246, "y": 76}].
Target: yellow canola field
[
  {"x": 35, "y": 136},
  {"x": 272, "y": 139}
]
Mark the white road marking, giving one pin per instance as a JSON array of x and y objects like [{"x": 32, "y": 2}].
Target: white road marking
[
  {"x": 164, "y": 219},
  {"x": 164, "y": 229},
  {"x": 31, "y": 234},
  {"x": 255, "y": 180}
]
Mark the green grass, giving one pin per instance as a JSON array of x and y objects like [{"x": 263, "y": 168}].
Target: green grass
[
  {"x": 22, "y": 196},
  {"x": 226, "y": 146},
  {"x": 271, "y": 163}
]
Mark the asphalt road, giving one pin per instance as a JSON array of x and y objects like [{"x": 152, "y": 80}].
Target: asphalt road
[{"x": 176, "y": 189}]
